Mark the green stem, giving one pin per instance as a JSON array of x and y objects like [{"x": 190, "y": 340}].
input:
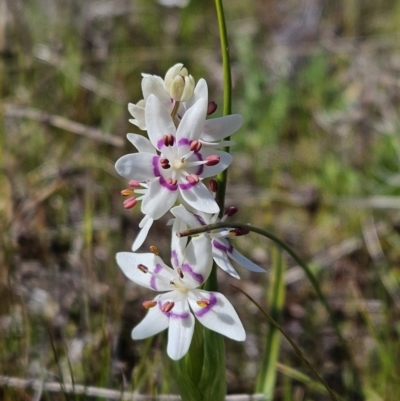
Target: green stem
[
  {"x": 227, "y": 109},
  {"x": 304, "y": 266}
]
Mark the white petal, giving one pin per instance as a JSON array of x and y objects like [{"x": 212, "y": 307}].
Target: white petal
[
  {"x": 216, "y": 145},
  {"x": 200, "y": 91},
  {"x": 219, "y": 315},
  {"x": 218, "y": 128},
  {"x": 244, "y": 262},
  {"x": 180, "y": 333},
  {"x": 221, "y": 259},
  {"x": 141, "y": 237},
  {"x": 193, "y": 121},
  {"x": 198, "y": 262},
  {"x": 138, "y": 114},
  {"x": 158, "y": 199},
  {"x": 154, "y": 85},
  {"x": 158, "y": 121},
  {"x": 189, "y": 218},
  {"x": 129, "y": 261},
  {"x": 141, "y": 143},
  {"x": 178, "y": 244},
  {"x": 225, "y": 161},
  {"x": 199, "y": 197},
  {"x": 136, "y": 166},
  {"x": 154, "y": 322}
]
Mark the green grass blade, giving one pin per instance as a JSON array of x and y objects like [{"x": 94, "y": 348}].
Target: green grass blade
[{"x": 267, "y": 377}]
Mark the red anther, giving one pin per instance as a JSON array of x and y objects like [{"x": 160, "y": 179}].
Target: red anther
[
  {"x": 212, "y": 160},
  {"x": 134, "y": 184},
  {"x": 167, "y": 307},
  {"x": 127, "y": 192},
  {"x": 149, "y": 304},
  {"x": 168, "y": 140},
  {"x": 230, "y": 211},
  {"x": 172, "y": 182},
  {"x": 130, "y": 203},
  {"x": 213, "y": 185},
  {"x": 237, "y": 232},
  {"x": 143, "y": 268},
  {"x": 180, "y": 272},
  {"x": 212, "y": 106},
  {"x": 193, "y": 179},
  {"x": 165, "y": 163},
  {"x": 203, "y": 302},
  {"x": 195, "y": 146}
]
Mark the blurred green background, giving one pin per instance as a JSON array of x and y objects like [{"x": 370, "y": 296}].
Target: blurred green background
[{"x": 316, "y": 162}]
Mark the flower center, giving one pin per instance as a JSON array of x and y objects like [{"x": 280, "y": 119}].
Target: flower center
[
  {"x": 178, "y": 164},
  {"x": 179, "y": 286}
]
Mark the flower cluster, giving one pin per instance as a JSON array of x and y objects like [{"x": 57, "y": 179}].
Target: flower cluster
[{"x": 167, "y": 175}]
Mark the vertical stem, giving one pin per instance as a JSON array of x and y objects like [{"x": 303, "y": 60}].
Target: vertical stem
[{"x": 227, "y": 109}]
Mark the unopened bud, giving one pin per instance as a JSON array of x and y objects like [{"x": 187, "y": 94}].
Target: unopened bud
[
  {"x": 230, "y": 211},
  {"x": 213, "y": 185},
  {"x": 178, "y": 83},
  {"x": 211, "y": 108},
  {"x": 237, "y": 232}
]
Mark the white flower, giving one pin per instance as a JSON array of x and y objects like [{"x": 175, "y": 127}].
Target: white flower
[
  {"x": 175, "y": 309},
  {"x": 174, "y": 3},
  {"x": 222, "y": 249},
  {"x": 179, "y": 169},
  {"x": 213, "y": 130}
]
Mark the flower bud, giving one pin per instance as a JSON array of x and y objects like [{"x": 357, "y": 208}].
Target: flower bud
[{"x": 178, "y": 83}]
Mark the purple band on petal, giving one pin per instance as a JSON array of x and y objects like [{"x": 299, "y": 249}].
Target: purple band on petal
[
  {"x": 200, "y": 168},
  {"x": 222, "y": 247},
  {"x": 184, "y": 141},
  {"x": 174, "y": 257},
  {"x": 187, "y": 186},
  {"x": 156, "y": 168},
  {"x": 165, "y": 184},
  {"x": 213, "y": 301},
  {"x": 196, "y": 276},
  {"x": 200, "y": 219},
  {"x": 153, "y": 279}
]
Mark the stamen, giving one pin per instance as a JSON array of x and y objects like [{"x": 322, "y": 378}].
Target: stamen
[
  {"x": 130, "y": 203},
  {"x": 213, "y": 185},
  {"x": 168, "y": 140},
  {"x": 127, "y": 192},
  {"x": 237, "y": 232},
  {"x": 167, "y": 307},
  {"x": 230, "y": 211},
  {"x": 143, "y": 268},
  {"x": 195, "y": 146},
  {"x": 134, "y": 184},
  {"x": 203, "y": 302},
  {"x": 211, "y": 108},
  {"x": 193, "y": 179},
  {"x": 149, "y": 304},
  {"x": 172, "y": 181},
  {"x": 212, "y": 160},
  {"x": 154, "y": 249},
  {"x": 180, "y": 272},
  {"x": 165, "y": 163}
]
